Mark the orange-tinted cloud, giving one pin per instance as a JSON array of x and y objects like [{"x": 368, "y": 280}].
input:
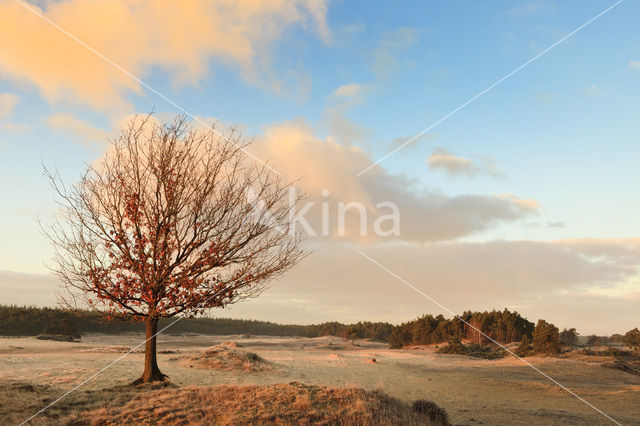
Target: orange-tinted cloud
[
  {"x": 425, "y": 215},
  {"x": 179, "y": 36},
  {"x": 348, "y": 90},
  {"x": 325, "y": 169},
  {"x": 453, "y": 165}
]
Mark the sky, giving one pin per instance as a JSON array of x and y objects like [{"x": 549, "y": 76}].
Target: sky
[{"x": 525, "y": 198}]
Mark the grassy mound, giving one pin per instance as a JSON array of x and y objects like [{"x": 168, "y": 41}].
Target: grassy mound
[
  {"x": 291, "y": 403},
  {"x": 229, "y": 358}
]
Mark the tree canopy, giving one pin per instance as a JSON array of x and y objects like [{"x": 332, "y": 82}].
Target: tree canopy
[{"x": 163, "y": 224}]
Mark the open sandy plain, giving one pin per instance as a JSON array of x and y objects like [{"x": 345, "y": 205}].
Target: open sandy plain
[{"x": 473, "y": 391}]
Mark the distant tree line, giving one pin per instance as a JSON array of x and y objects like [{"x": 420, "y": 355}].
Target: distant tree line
[
  {"x": 501, "y": 326},
  {"x": 33, "y": 321}
]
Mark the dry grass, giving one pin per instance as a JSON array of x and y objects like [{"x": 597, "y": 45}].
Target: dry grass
[
  {"x": 19, "y": 401},
  {"x": 227, "y": 357},
  {"x": 292, "y": 403},
  {"x": 282, "y": 404}
]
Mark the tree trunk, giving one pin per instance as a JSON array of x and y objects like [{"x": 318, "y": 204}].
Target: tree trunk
[{"x": 151, "y": 371}]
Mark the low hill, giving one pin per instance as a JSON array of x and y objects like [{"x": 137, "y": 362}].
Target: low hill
[
  {"x": 278, "y": 404},
  {"x": 291, "y": 403}
]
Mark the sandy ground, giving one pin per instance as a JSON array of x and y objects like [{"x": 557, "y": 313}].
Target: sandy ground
[{"x": 473, "y": 391}]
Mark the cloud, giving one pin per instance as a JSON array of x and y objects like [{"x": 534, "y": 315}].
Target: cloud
[
  {"x": 28, "y": 289},
  {"x": 593, "y": 90},
  {"x": 425, "y": 215},
  {"x": 179, "y": 37},
  {"x": 572, "y": 283},
  {"x": 516, "y": 269},
  {"x": 339, "y": 126},
  {"x": 320, "y": 164},
  {"x": 82, "y": 132},
  {"x": 326, "y": 165},
  {"x": 348, "y": 90},
  {"x": 8, "y": 102},
  {"x": 453, "y": 165},
  {"x": 542, "y": 279},
  {"x": 335, "y": 119},
  {"x": 392, "y": 44},
  {"x": 618, "y": 251},
  {"x": 634, "y": 65}
]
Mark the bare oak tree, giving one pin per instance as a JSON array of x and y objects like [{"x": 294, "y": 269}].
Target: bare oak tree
[{"x": 162, "y": 226}]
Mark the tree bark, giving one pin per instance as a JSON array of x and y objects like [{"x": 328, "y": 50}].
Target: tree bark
[{"x": 151, "y": 371}]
